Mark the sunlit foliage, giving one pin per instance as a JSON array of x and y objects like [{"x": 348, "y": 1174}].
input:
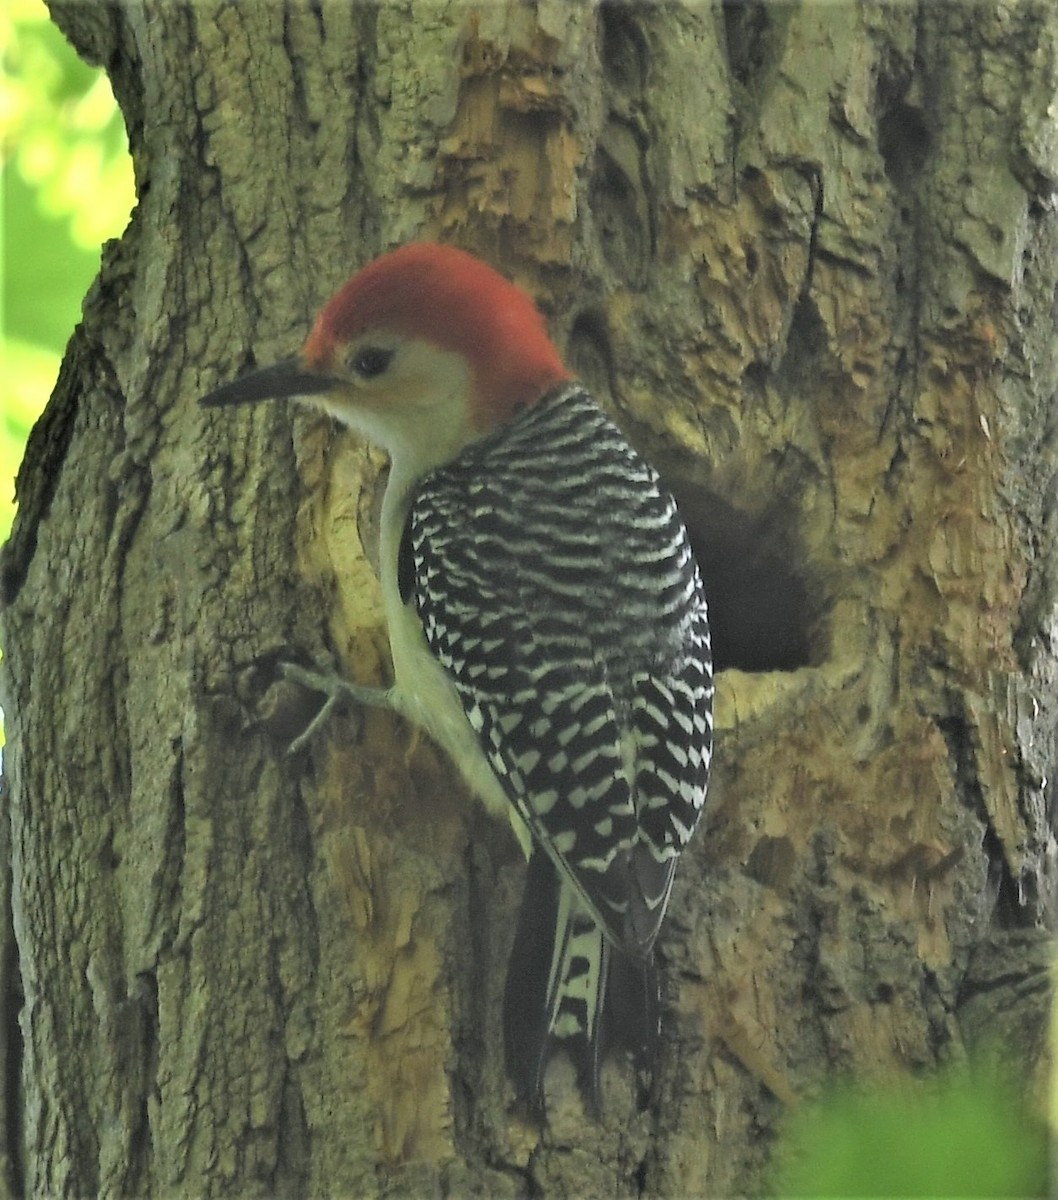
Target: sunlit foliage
[
  {"x": 67, "y": 186},
  {"x": 967, "y": 1132}
]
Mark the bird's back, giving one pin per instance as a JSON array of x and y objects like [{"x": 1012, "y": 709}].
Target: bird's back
[{"x": 555, "y": 581}]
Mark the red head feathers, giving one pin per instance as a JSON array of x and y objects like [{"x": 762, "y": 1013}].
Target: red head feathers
[{"x": 459, "y": 303}]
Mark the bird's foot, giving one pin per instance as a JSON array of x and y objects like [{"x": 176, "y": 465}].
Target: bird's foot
[{"x": 335, "y": 691}]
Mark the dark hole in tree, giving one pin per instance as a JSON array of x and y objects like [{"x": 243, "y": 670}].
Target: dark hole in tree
[
  {"x": 588, "y": 353},
  {"x": 624, "y": 53},
  {"x": 763, "y": 612},
  {"x": 904, "y": 141},
  {"x": 754, "y": 34}
]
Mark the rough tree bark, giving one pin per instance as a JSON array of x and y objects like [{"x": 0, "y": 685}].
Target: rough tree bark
[{"x": 807, "y": 254}]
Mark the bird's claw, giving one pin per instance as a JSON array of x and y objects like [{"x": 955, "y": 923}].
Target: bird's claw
[{"x": 334, "y": 689}]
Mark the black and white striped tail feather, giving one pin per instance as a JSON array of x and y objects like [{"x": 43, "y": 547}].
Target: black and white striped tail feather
[{"x": 568, "y": 987}]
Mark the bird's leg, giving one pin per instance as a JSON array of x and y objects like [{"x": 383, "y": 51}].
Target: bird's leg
[{"x": 335, "y": 689}]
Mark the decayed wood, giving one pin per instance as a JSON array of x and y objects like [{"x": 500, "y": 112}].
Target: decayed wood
[{"x": 806, "y": 256}]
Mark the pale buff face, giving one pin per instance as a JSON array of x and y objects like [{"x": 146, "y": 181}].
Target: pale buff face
[{"x": 407, "y": 395}]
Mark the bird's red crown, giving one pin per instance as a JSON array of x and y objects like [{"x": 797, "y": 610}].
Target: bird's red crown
[{"x": 459, "y": 303}]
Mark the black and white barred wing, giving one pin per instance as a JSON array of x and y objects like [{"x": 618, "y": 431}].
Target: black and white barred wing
[
  {"x": 555, "y": 584},
  {"x": 549, "y": 734}
]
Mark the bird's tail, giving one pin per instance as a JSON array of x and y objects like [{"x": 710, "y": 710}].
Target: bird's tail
[{"x": 568, "y": 986}]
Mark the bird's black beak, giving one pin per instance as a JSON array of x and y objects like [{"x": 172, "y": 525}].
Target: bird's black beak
[{"x": 291, "y": 377}]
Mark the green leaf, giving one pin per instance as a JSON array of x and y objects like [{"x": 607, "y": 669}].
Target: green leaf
[
  {"x": 967, "y": 1133},
  {"x": 67, "y": 186}
]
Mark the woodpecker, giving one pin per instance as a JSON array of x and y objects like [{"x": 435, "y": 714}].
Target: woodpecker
[{"x": 547, "y": 624}]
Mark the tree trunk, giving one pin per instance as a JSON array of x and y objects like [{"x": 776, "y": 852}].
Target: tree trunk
[{"x": 807, "y": 255}]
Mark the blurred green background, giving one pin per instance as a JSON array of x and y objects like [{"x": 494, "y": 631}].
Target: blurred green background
[
  {"x": 971, "y": 1130},
  {"x": 67, "y": 188}
]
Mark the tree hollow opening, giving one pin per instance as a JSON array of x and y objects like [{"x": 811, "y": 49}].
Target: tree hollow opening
[{"x": 764, "y": 614}]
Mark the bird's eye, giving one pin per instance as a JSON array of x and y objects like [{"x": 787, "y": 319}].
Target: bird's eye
[{"x": 370, "y": 361}]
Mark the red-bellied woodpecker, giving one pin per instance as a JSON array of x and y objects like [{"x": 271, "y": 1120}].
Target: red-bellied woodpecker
[{"x": 547, "y": 624}]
